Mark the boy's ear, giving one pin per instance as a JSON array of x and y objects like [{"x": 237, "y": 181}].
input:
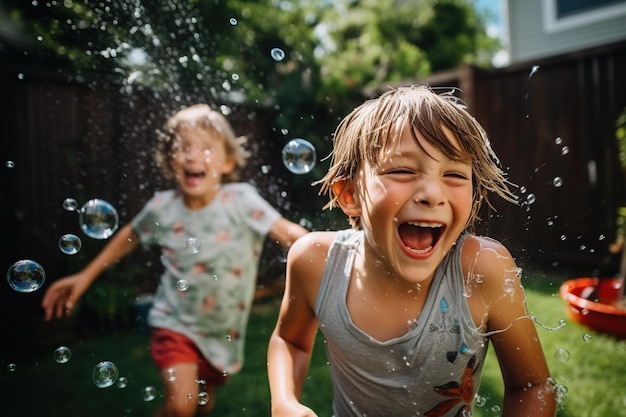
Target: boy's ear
[
  {"x": 230, "y": 165},
  {"x": 346, "y": 197}
]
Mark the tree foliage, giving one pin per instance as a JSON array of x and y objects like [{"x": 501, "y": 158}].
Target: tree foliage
[{"x": 222, "y": 48}]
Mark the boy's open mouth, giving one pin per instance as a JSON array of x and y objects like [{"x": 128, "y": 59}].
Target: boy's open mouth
[
  {"x": 194, "y": 174},
  {"x": 420, "y": 237}
]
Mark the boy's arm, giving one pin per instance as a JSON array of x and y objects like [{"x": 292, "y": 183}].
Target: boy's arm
[
  {"x": 292, "y": 341},
  {"x": 62, "y": 295},
  {"x": 286, "y": 232},
  {"x": 516, "y": 343}
]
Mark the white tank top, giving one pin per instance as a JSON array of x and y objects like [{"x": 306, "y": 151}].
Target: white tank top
[{"x": 433, "y": 370}]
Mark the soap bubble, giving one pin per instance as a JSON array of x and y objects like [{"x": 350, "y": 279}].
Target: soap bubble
[
  {"x": 562, "y": 355},
  {"x": 182, "y": 285},
  {"x": 62, "y": 354},
  {"x": 299, "y": 156},
  {"x": 277, "y": 54},
  {"x": 105, "y": 374},
  {"x": 70, "y": 244},
  {"x": 98, "y": 219},
  {"x": 26, "y": 276},
  {"x": 203, "y": 398},
  {"x": 69, "y": 204},
  {"x": 193, "y": 245},
  {"x": 149, "y": 393}
]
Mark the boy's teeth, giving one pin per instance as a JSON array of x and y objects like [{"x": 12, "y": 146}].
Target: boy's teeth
[{"x": 425, "y": 224}]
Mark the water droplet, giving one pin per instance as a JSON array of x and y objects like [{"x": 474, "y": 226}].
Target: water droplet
[
  {"x": 522, "y": 189},
  {"x": 558, "y": 140},
  {"x": 182, "y": 285},
  {"x": 233, "y": 21},
  {"x": 70, "y": 244},
  {"x": 299, "y": 156},
  {"x": 26, "y": 276},
  {"x": 480, "y": 400},
  {"x": 193, "y": 245},
  {"x": 562, "y": 355},
  {"x": 587, "y": 337},
  {"x": 533, "y": 70},
  {"x": 98, "y": 219},
  {"x": 149, "y": 393},
  {"x": 530, "y": 199},
  {"x": 171, "y": 374},
  {"x": 10, "y": 164},
  {"x": 104, "y": 374},
  {"x": 557, "y": 181},
  {"x": 69, "y": 204},
  {"x": 62, "y": 354},
  {"x": 563, "y": 237},
  {"x": 122, "y": 382},
  {"x": 265, "y": 169},
  {"x": 564, "y": 150},
  {"x": 11, "y": 367},
  {"x": 277, "y": 54}
]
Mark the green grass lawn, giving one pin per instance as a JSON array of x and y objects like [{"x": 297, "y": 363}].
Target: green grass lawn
[{"x": 595, "y": 373}]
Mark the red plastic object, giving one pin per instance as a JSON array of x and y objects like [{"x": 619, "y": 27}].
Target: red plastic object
[{"x": 601, "y": 312}]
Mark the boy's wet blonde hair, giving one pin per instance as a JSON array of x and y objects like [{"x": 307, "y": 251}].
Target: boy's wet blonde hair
[
  {"x": 369, "y": 128},
  {"x": 215, "y": 123}
]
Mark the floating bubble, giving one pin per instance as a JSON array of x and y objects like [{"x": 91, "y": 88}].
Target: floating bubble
[
  {"x": 182, "y": 285},
  {"x": 10, "y": 164},
  {"x": 62, "y": 354},
  {"x": 299, "y": 156},
  {"x": 70, "y": 204},
  {"x": 98, "y": 219},
  {"x": 193, "y": 245},
  {"x": 277, "y": 54},
  {"x": 203, "y": 398},
  {"x": 557, "y": 182},
  {"x": 562, "y": 355},
  {"x": 105, "y": 374},
  {"x": 70, "y": 244},
  {"x": 122, "y": 382},
  {"x": 149, "y": 393},
  {"x": 26, "y": 276}
]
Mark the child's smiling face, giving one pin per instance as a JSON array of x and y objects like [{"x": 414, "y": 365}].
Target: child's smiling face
[
  {"x": 413, "y": 204},
  {"x": 199, "y": 160}
]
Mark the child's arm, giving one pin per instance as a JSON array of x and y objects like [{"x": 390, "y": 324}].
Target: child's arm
[
  {"x": 286, "y": 232},
  {"x": 292, "y": 341},
  {"x": 63, "y": 294},
  {"x": 515, "y": 341}
]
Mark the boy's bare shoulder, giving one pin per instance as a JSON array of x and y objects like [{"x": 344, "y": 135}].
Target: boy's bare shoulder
[
  {"x": 312, "y": 246},
  {"x": 485, "y": 256}
]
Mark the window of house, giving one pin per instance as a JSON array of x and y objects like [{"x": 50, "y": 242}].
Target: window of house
[{"x": 569, "y": 14}]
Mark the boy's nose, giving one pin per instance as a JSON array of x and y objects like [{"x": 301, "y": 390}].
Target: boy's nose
[{"x": 428, "y": 193}]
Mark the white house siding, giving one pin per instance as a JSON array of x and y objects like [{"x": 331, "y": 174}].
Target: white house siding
[{"x": 530, "y": 36}]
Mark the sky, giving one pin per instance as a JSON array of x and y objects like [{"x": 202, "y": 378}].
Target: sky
[{"x": 495, "y": 27}]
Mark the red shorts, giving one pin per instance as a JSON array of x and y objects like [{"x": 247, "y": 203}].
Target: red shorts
[{"x": 169, "y": 348}]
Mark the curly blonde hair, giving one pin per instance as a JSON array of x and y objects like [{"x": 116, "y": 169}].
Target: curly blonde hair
[
  {"x": 214, "y": 122},
  {"x": 368, "y": 128}
]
